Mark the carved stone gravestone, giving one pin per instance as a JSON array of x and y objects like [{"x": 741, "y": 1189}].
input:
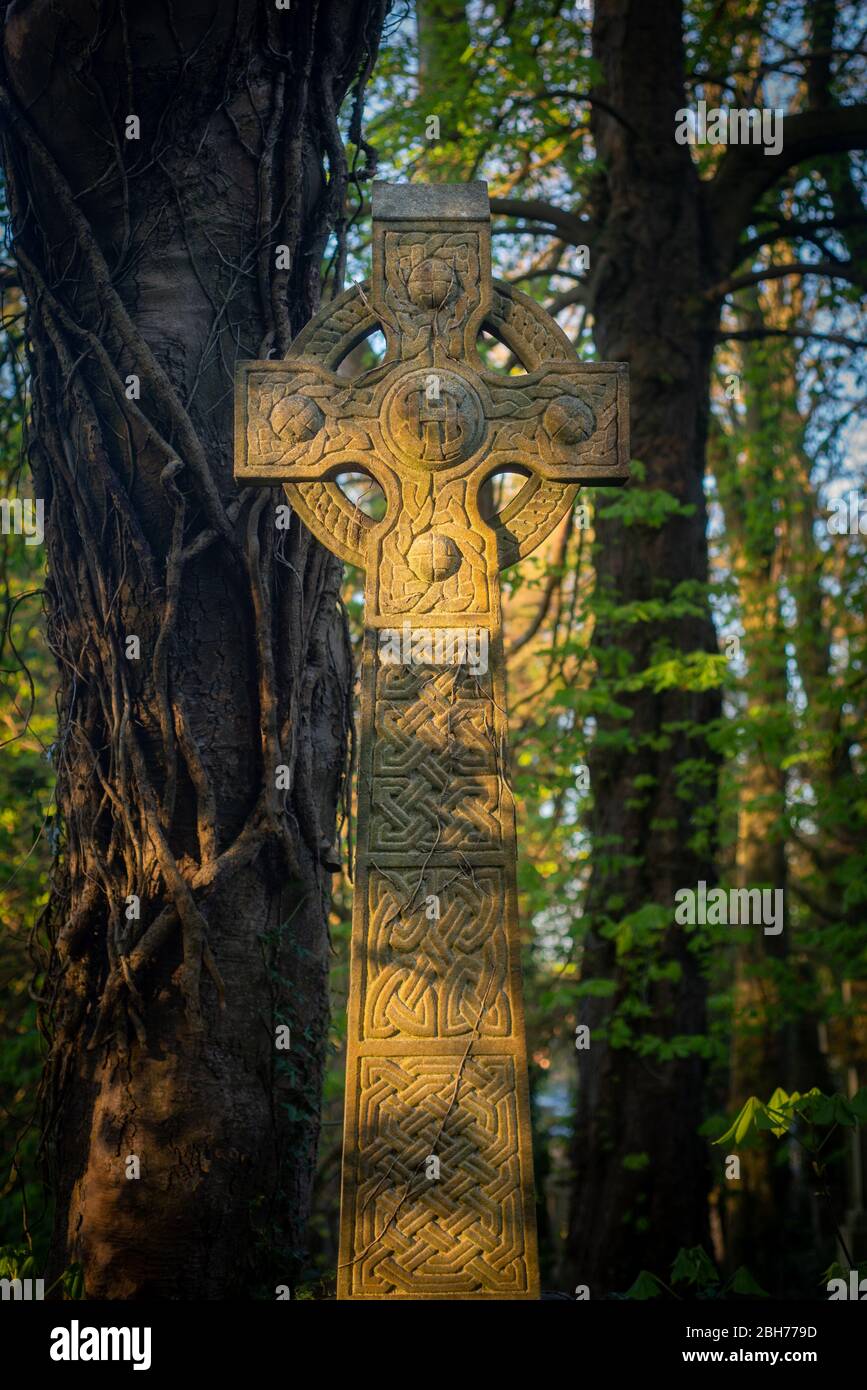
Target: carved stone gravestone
[{"x": 437, "y": 1194}]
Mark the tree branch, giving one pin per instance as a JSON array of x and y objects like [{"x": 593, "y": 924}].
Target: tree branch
[
  {"x": 529, "y": 229},
  {"x": 577, "y": 295},
  {"x": 545, "y": 273},
  {"x": 808, "y": 229},
  {"x": 838, "y": 270},
  {"x": 747, "y": 335},
  {"x": 746, "y": 172},
  {"x": 573, "y": 230}
]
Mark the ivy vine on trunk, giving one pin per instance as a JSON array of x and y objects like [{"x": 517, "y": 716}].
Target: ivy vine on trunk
[{"x": 199, "y": 647}]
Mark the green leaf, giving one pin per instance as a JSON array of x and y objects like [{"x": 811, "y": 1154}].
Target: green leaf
[
  {"x": 596, "y": 988},
  {"x": 744, "y": 1123},
  {"x": 634, "y": 1163},
  {"x": 694, "y": 1266},
  {"x": 777, "y": 1115},
  {"x": 816, "y": 1108},
  {"x": 645, "y": 1286},
  {"x": 858, "y": 1103},
  {"x": 743, "y": 1282},
  {"x": 843, "y": 1112}
]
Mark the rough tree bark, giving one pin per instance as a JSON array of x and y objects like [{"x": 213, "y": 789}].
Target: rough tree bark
[{"x": 149, "y": 257}]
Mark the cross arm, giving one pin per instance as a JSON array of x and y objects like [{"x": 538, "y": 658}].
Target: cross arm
[
  {"x": 295, "y": 421},
  {"x": 567, "y": 422}
]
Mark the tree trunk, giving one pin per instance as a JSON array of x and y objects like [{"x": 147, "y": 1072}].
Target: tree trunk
[
  {"x": 158, "y": 160},
  {"x": 640, "y": 1170}
]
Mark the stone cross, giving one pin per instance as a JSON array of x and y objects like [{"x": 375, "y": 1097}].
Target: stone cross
[{"x": 437, "y": 1192}]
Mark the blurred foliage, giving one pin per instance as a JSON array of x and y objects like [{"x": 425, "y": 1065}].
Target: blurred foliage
[{"x": 694, "y": 1276}]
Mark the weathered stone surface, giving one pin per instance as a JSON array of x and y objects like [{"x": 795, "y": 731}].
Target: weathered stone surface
[{"x": 436, "y": 1065}]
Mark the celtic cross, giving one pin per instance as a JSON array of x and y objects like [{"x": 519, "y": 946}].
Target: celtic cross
[{"x": 437, "y": 1192}]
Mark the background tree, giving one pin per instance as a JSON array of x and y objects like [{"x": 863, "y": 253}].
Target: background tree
[{"x": 668, "y": 239}]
